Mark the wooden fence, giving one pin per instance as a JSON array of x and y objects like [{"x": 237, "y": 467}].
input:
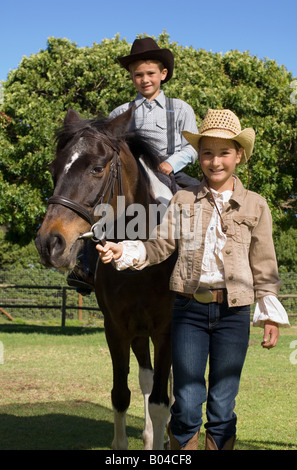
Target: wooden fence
[
  {"x": 63, "y": 305},
  {"x": 44, "y": 293}
]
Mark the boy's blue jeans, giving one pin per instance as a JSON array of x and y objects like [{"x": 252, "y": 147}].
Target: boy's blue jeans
[{"x": 199, "y": 332}]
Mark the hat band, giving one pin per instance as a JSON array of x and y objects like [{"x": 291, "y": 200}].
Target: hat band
[{"x": 219, "y": 129}]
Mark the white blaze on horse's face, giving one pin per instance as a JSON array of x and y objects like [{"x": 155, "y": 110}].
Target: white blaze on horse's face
[
  {"x": 78, "y": 149},
  {"x": 72, "y": 160}
]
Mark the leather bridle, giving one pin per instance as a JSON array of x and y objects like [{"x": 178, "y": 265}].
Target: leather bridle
[{"x": 114, "y": 175}]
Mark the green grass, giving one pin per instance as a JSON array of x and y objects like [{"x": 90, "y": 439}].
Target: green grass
[{"x": 55, "y": 391}]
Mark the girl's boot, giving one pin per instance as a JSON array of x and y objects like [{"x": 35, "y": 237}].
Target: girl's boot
[
  {"x": 211, "y": 445},
  {"x": 192, "y": 444}
]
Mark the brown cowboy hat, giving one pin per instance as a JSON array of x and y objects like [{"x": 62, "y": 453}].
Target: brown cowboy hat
[{"x": 145, "y": 49}]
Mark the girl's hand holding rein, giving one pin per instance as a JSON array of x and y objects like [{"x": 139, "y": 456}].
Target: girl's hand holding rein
[{"x": 110, "y": 251}]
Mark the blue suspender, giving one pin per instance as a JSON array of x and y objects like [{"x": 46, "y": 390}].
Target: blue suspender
[{"x": 170, "y": 124}]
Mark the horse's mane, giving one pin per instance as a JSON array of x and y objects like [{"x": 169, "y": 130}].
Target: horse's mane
[{"x": 139, "y": 145}]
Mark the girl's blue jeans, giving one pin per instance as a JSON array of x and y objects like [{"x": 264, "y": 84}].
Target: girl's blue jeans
[{"x": 202, "y": 332}]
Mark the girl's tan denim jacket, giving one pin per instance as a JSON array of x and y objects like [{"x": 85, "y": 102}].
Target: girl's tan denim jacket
[{"x": 249, "y": 257}]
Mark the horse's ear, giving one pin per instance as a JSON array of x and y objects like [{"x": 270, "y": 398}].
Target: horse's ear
[
  {"x": 120, "y": 124},
  {"x": 71, "y": 116}
]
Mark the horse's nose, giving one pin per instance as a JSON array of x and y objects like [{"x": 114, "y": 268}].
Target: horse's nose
[
  {"x": 56, "y": 245},
  {"x": 50, "y": 247}
]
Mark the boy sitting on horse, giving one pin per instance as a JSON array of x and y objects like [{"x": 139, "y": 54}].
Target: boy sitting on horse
[{"x": 159, "y": 118}]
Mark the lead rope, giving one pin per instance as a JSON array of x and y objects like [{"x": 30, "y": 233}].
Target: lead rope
[{"x": 224, "y": 227}]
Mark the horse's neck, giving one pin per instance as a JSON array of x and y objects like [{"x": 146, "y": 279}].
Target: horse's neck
[
  {"x": 146, "y": 192},
  {"x": 133, "y": 209},
  {"x": 159, "y": 190}
]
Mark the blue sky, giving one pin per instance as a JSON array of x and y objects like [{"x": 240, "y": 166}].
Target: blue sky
[{"x": 266, "y": 29}]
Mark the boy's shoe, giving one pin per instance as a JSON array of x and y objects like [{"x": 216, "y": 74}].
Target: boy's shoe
[{"x": 84, "y": 282}]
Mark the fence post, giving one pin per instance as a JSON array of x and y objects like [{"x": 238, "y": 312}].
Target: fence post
[{"x": 63, "y": 306}]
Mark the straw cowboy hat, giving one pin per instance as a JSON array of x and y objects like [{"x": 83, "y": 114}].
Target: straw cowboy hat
[
  {"x": 224, "y": 124},
  {"x": 148, "y": 49}
]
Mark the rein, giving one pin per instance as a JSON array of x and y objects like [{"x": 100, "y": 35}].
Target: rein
[
  {"x": 114, "y": 175},
  {"x": 224, "y": 228}
]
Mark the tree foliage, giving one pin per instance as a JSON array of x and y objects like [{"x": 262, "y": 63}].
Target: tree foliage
[
  {"x": 38, "y": 93},
  {"x": 286, "y": 250}
]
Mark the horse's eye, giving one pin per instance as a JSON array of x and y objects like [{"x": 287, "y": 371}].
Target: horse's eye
[{"x": 97, "y": 170}]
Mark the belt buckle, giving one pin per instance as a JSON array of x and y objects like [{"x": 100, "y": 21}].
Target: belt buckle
[{"x": 203, "y": 295}]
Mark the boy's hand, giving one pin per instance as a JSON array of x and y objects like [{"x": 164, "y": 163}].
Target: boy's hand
[
  {"x": 166, "y": 168},
  {"x": 110, "y": 251},
  {"x": 271, "y": 334}
]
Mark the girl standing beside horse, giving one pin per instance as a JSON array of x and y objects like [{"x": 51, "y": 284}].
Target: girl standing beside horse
[{"x": 216, "y": 280}]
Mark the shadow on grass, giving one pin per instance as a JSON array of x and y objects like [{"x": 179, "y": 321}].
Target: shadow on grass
[
  {"x": 79, "y": 425},
  {"x": 62, "y": 426},
  {"x": 264, "y": 445},
  {"x": 50, "y": 330}
]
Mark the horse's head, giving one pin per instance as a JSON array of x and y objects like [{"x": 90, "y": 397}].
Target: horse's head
[{"x": 93, "y": 164}]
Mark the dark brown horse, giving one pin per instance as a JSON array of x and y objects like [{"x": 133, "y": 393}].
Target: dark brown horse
[{"x": 96, "y": 161}]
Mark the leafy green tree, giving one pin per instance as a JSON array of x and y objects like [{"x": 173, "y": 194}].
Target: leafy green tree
[
  {"x": 286, "y": 250},
  {"x": 12, "y": 255},
  {"x": 38, "y": 93}
]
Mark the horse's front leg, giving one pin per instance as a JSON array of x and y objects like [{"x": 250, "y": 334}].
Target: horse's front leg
[
  {"x": 141, "y": 349},
  {"x": 146, "y": 378},
  {"x": 159, "y": 406},
  {"x": 120, "y": 440},
  {"x": 120, "y": 394}
]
